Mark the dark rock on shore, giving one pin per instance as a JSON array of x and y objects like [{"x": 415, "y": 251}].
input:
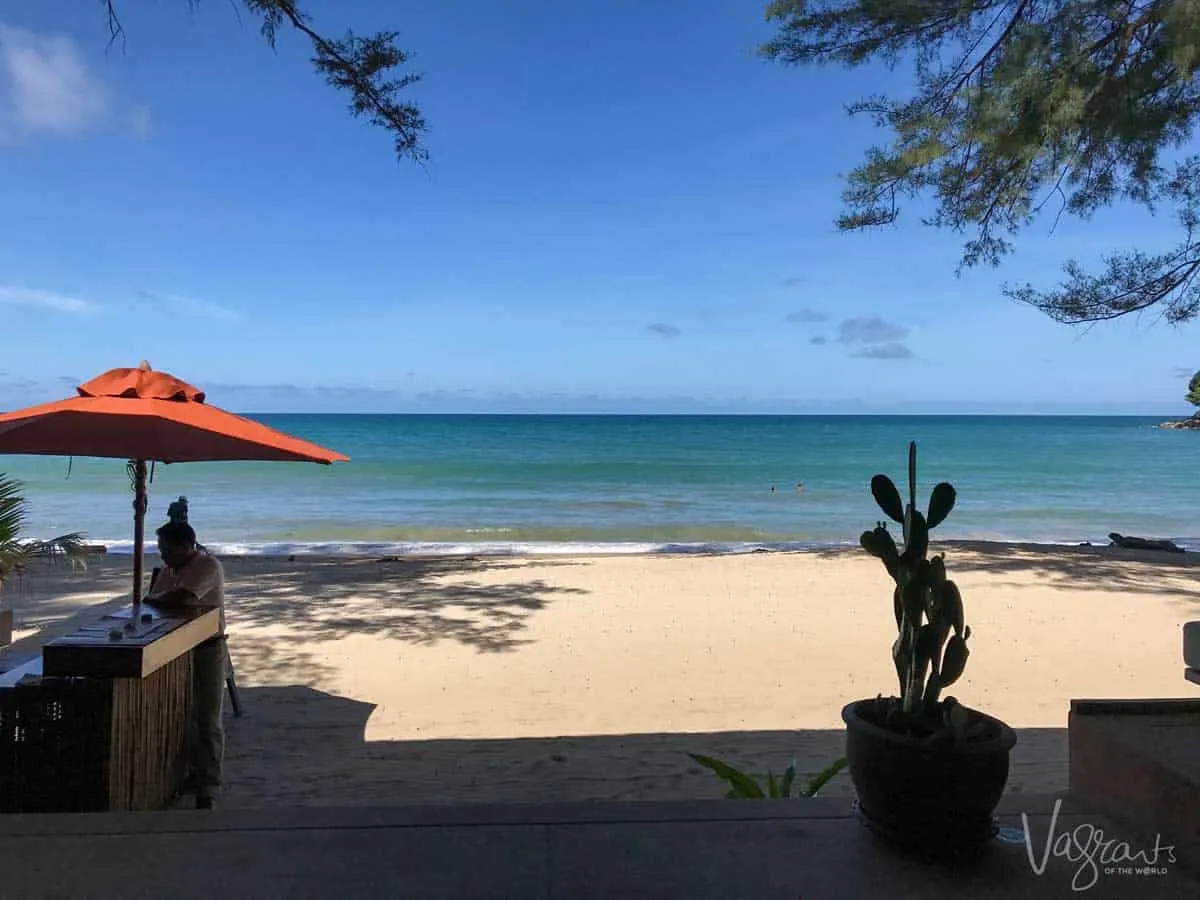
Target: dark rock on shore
[{"x": 1193, "y": 422}]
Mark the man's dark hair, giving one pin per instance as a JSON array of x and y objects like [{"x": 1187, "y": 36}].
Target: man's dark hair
[{"x": 177, "y": 534}]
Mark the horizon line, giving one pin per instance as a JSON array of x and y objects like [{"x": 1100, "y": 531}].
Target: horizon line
[{"x": 1165, "y": 416}]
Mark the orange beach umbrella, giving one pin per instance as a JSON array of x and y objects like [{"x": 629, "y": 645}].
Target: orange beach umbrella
[{"x": 147, "y": 416}]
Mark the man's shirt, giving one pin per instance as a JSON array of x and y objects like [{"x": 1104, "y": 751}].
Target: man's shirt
[{"x": 202, "y": 576}]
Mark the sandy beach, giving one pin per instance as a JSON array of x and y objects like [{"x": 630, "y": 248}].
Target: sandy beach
[{"x": 370, "y": 681}]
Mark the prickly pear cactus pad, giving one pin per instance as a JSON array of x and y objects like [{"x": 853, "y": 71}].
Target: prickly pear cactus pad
[{"x": 930, "y": 651}]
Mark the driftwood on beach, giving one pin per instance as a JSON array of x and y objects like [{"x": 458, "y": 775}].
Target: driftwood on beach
[{"x": 1137, "y": 543}]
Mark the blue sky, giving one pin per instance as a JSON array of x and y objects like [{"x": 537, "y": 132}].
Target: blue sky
[{"x": 626, "y": 210}]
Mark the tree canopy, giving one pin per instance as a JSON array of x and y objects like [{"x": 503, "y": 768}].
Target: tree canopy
[
  {"x": 367, "y": 67},
  {"x": 1193, "y": 394},
  {"x": 1022, "y": 107}
]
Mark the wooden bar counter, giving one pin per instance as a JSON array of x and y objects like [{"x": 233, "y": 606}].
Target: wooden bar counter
[{"x": 99, "y": 720}]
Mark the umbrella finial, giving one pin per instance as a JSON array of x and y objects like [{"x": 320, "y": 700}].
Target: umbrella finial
[{"x": 145, "y": 366}]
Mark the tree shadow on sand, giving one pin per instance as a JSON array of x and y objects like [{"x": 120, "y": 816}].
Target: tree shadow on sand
[
  {"x": 481, "y": 602},
  {"x": 418, "y": 601},
  {"x": 1162, "y": 574},
  {"x": 47, "y": 592},
  {"x": 1086, "y": 568}
]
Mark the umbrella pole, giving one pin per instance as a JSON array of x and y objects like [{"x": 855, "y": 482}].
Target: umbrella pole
[{"x": 139, "y": 525}]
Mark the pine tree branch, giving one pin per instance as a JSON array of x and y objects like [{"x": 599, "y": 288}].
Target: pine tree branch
[
  {"x": 359, "y": 65},
  {"x": 1017, "y": 102}
]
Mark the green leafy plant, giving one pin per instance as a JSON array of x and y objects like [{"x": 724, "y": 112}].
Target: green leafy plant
[
  {"x": 745, "y": 787},
  {"x": 1193, "y": 394},
  {"x": 930, "y": 651},
  {"x": 16, "y": 553}
]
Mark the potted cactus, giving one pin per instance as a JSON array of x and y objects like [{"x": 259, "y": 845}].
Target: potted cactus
[{"x": 928, "y": 771}]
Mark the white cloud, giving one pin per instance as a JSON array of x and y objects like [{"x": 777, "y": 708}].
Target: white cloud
[
  {"x": 46, "y": 87},
  {"x": 189, "y": 306},
  {"x": 46, "y": 299}
]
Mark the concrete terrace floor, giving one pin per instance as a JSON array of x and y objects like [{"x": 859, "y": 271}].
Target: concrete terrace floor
[
  {"x": 801, "y": 850},
  {"x": 268, "y": 760}
]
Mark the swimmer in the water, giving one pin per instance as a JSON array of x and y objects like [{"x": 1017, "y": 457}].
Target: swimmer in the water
[{"x": 799, "y": 487}]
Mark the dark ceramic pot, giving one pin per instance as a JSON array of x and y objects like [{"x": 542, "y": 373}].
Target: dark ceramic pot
[{"x": 932, "y": 801}]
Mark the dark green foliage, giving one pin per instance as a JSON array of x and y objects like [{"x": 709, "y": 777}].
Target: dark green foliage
[
  {"x": 888, "y": 498},
  {"x": 930, "y": 651},
  {"x": 744, "y": 787},
  {"x": 941, "y": 502},
  {"x": 364, "y": 67},
  {"x": 1019, "y": 105},
  {"x": 1193, "y": 394}
]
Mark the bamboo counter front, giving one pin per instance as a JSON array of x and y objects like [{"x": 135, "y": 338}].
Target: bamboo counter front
[{"x": 99, "y": 720}]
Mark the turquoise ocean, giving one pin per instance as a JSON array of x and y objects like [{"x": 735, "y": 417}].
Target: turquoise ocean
[{"x": 420, "y": 484}]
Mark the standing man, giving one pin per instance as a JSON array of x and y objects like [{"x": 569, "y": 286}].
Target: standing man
[{"x": 193, "y": 577}]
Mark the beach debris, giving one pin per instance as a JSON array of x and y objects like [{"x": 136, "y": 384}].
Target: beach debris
[{"x": 1137, "y": 543}]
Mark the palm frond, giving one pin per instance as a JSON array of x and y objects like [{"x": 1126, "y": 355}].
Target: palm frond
[
  {"x": 66, "y": 547},
  {"x": 15, "y": 554},
  {"x": 13, "y": 508}
]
